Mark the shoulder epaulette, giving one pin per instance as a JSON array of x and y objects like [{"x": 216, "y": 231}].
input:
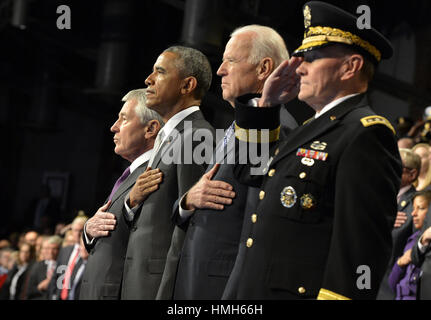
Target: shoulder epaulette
[{"x": 373, "y": 120}]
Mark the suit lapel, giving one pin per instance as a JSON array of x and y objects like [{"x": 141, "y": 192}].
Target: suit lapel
[
  {"x": 172, "y": 139},
  {"x": 311, "y": 130},
  {"x": 128, "y": 183}
]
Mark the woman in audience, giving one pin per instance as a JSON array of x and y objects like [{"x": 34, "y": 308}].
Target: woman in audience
[{"x": 404, "y": 277}]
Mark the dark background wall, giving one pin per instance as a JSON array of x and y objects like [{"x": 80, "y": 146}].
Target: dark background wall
[{"x": 61, "y": 89}]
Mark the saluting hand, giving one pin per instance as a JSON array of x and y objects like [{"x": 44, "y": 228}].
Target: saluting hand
[
  {"x": 208, "y": 194},
  {"x": 101, "y": 223},
  {"x": 282, "y": 85},
  {"x": 147, "y": 183}
]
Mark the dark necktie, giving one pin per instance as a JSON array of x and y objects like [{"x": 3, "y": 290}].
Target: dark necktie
[{"x": 120, "y": 180}]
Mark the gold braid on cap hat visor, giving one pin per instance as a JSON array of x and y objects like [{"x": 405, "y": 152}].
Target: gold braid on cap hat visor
[{"x": 321, "y": 35}]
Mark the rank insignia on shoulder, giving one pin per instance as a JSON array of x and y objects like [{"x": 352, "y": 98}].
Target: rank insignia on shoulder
[
  {"x": 312, "y": 154},
  {"x": 288, "y": 197},
  {"x": 373, "y": 120}
]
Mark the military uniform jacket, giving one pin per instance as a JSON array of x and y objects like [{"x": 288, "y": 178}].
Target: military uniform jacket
[
  {"x": 149, "y": 272},
  {"x": 321, "y": 228}
]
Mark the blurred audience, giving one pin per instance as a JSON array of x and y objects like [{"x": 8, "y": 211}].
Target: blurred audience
[
  {"x": 42, "y": 271},
  {"x": 14, "y": 287},
  {"x": 69, "y": 239},
  {"x": 403, "y": 226},
  {"x": 404, "y": 277}
]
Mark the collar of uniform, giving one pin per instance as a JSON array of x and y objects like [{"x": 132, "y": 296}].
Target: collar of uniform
[
  {"x": 140, "y": 160},
  {"x": 334, "y": 103},
  {"x": 177, "y": 118}
]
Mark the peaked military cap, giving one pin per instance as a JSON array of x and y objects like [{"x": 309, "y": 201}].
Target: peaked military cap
[{"x": 326, "y": 24}]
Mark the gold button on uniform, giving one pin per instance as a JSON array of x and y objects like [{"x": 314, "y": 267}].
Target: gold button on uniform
[
  {"x": 254, "y": 218},
  {"x": 277, "y": 151},
  {"x": 333, "y": 118},
  {"x": 249, "y": 242},
  {"x": 271, "y": 172},
  {"x": 262, "y": 195},
  {"x": 301, "y": 290},
  {"x": 303, "y": 175}
]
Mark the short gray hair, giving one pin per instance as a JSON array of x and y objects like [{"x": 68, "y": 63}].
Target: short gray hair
[
  {"x": 145, "y": 114},
  {"x": 193, "y": 63},
  {"x": 267, "y": 43},
  {"x": 55, "y": 240}
]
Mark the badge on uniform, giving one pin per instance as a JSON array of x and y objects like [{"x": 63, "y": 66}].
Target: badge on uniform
[
  {"x": 288, "y": 197},
  {"x": 307, "y": 201},
  {"x": 320, "y": 146},
  {"x": 312, "y": 154}
]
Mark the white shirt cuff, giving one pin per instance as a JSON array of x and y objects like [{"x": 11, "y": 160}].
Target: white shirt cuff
[
  {"x": 130, "y": 211},
  {"x": 184, "y": 213},
  {"x": 87, "y": 239},
  {"x": 421, "y": 247},
  {"x": 253, "y": 102}
]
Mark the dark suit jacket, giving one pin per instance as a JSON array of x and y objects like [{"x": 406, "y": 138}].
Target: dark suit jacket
[
  {"x": 318, "y": 223},
  {"x": 399, "y": 239},
  {"x": 212, "y": 238},
  {"x": 147, "y": 270},
  {"x": 20, "y": 285},
  {"x": 36, "y": 276},
  {"x": 104, "y": 270}
]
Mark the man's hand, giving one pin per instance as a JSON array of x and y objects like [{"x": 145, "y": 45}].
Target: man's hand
[
  {"x": 400, "y": 219},
  {"x": 282, "y": 85},
  {"x": 101, "y": 223},
  {"x": 208, "y": 194},
  {"x": 147, "y": 183},
  {"x": 43, "y": 285},
  {"x": 426, "y": 237}
]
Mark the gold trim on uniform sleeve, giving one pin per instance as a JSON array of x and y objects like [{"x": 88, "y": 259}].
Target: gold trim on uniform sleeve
[
  {"x": 329, "y": 295},
  {"x": 255, "y": 136},
  {"x": 372, "y": 120}
]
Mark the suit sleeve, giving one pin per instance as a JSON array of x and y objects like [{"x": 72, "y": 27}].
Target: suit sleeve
[{"x": 366, "y": 185}]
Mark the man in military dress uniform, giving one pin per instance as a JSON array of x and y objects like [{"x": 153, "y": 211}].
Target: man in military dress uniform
[{"x": 322, "y": 226}]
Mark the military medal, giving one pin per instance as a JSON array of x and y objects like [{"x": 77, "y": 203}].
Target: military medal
[
  {"x": 288, "y": 197},
  {"x": 307, "y": 201},
  {"x": 312, "y": 154}
]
